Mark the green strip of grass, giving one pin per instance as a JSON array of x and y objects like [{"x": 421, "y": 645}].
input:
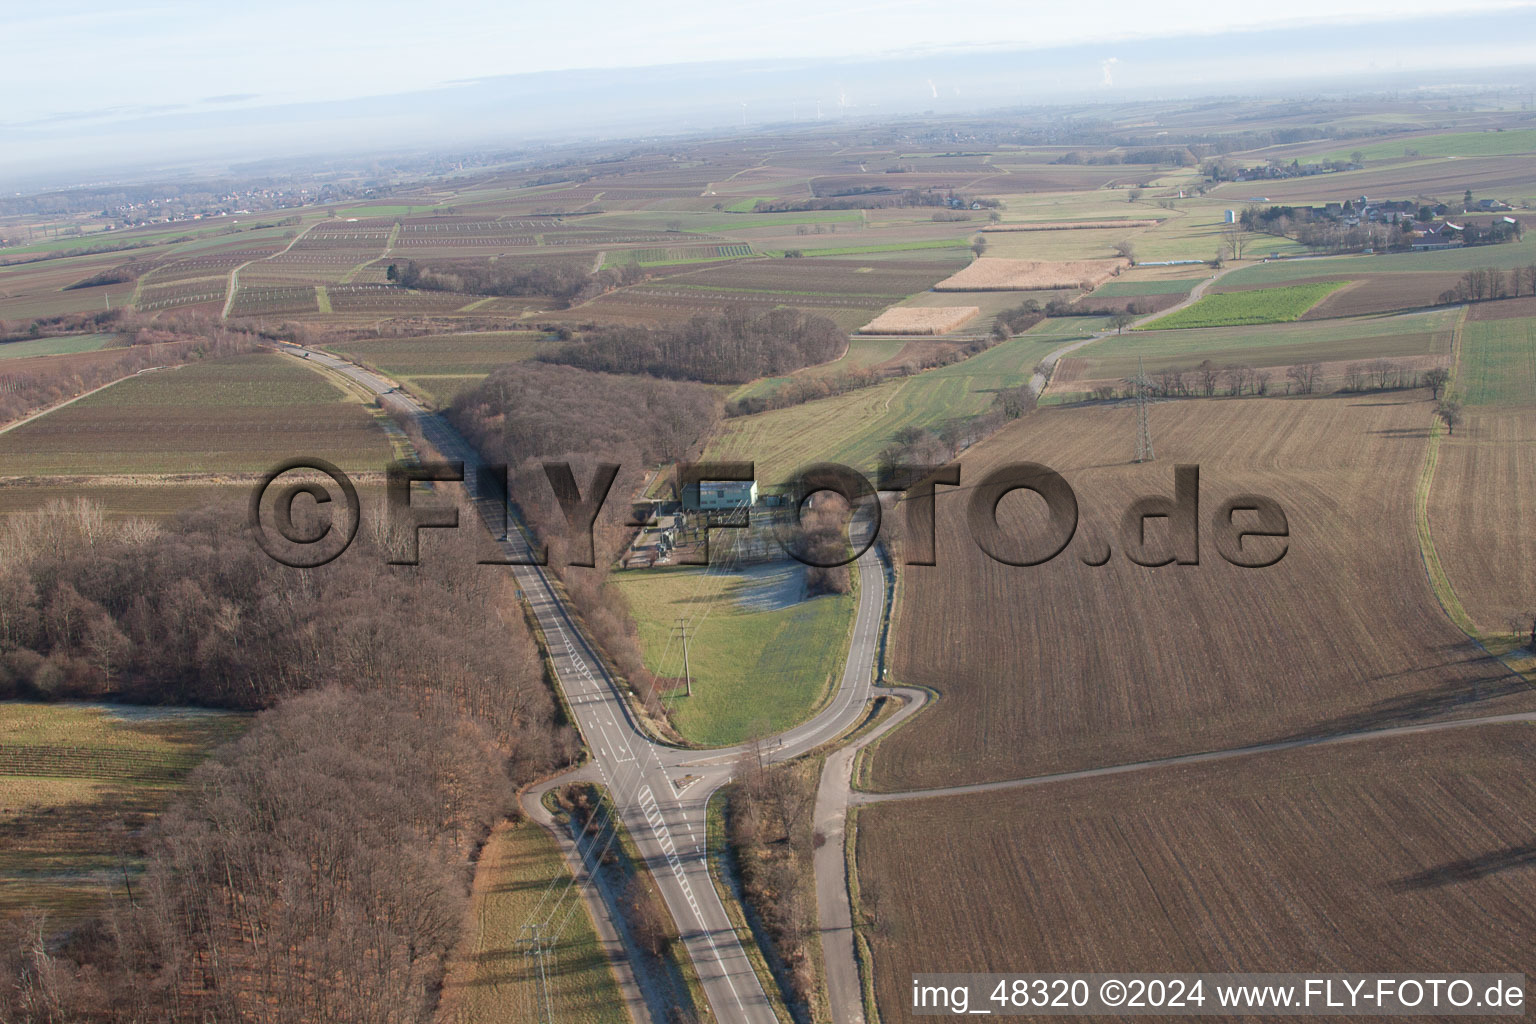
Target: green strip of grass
[
  {"x": 66, "y": 345},
  {"x": 1498, "y": 363}
]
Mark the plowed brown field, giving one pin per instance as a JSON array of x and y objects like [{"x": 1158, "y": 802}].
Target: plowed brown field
[
  {"x": 1065, "y": 666},
  {"x": 1401, "y": 854}
]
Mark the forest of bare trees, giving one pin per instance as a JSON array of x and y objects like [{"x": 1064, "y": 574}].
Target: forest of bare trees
[
  {"x": 566, "y": 281},
  {"x": 769, "y": 827},
  {"x": 192, "y": 612},
  {"x": 730, "y": 347},
  {"x": 318, "y": 868},
  {"x": 528, "y": 413}
]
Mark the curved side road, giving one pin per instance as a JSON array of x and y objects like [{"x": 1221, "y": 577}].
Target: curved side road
[
  {"x": 1209, "y": 755},
  {"x": 834, "y": 905}
]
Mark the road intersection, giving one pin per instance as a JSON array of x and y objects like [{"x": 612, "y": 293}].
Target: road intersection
[{"x": 661, "y": 791}]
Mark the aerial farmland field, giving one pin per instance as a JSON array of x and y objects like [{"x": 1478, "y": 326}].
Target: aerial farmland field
[
  {"x": 854, "y": 427},
  {"x": 233, "y": 415},
  {"x": 1099, "y": 700},
  {"x": 63, "y": 345},
  {"x": 1165, "y": 748},
  {"x": 441, "y": 364},
  {"x": 1265, "y": 863},
  {"x": 69, "y": 775},
  {"x": 1480, "y": 496}
]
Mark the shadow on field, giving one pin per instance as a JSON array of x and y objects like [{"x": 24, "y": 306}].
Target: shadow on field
[
  {"x": 1462, "y": 695},
  {"x": 1410, "y": 432},
  {"x": 1470, "y": 869}
]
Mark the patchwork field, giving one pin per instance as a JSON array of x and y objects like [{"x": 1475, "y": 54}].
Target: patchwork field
[
  {"x": 1441, "y": 177},
  {"x": 1288, "y": 271},
  {"x": 1121, "y": 662},
  {"x": 75, "y": 780},
  {"x": 236, "y": 415},
  {"x": 1399, "y": 854},
  {"x": 762, "y": 655}
]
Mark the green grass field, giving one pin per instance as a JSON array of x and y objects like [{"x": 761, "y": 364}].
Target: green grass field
[
  {"x": 1259, "y": 306},
  {"x": 1064, "y": 328},
  {"x": 853, "y": 428},
  {"x": 241, "y": 414},
  {"x": 755, "y": 670},
  {"x": 1407, "y": 334},
  {"x": 1168, "y": 286},
  {"x": 1501, "y": 143},
  {"x": 747, "y": 205},
  {"x": 494, "y": 982},
  {"x": 71, "y": 776},
  {"x": 66, "y": 345},
  {"x": 1498, "y": 362},
  {"x": 862, "y": 353}
]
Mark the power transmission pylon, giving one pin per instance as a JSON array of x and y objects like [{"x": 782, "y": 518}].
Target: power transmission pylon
[
  {"x": 681, "y": 629},
  {"x": 536, "y": 950},
  {"x": 1143, "y": 428}
]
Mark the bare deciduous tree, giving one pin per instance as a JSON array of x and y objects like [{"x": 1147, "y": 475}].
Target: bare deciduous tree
[{"x": 1449, "y": 412}]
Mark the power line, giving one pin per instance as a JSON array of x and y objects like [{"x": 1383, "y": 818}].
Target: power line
[
  {"x": 681, "y": 630},
  {"x": 536, "y": 949},
  {"x": 1143, "y": 428}
]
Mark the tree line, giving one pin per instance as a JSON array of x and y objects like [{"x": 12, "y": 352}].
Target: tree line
[
  {"x": 770, "y": 830},
  {"x": 730, "y": 347},
  {"x": 1490, "y": 283},
  {"x": 1209, "y": 379}
]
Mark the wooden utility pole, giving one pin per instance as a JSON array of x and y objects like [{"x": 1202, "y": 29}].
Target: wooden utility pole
[{"x": 681, "y": 629}]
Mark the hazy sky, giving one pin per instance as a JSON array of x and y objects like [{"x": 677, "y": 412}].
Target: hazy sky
[{"x": 77, "y": 58}]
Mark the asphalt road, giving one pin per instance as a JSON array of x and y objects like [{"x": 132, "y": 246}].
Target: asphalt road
[{"x": 661, "y": 791}]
